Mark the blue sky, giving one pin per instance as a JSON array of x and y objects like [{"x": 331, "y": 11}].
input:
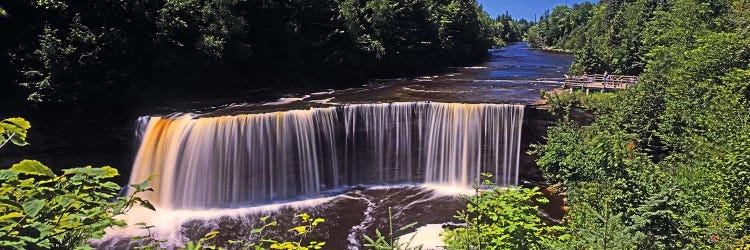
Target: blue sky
[{"x": 523, "y": 8}]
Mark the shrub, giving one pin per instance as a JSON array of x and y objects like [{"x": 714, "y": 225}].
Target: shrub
[{"x": 502, "y": 218}]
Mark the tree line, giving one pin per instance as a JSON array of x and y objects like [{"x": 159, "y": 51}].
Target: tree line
[
  {"x": 74, "y": 53},
  {"x": 509, "y": 30},
  {"x": 563, "y": 28},
  {"x": 665, "y": 164}
]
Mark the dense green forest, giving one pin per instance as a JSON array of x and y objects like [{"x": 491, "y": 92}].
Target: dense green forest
[
  {"x": 509, "y": 30},
  {"x": 562, "y": 29},
  {"x": 79, "y": 54},
  {"x": 665, "y": 164}
]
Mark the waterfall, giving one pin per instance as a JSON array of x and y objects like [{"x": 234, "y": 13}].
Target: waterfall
[{"x": 259, "y": 158}]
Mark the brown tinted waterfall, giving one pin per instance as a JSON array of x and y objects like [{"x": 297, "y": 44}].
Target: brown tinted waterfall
[{"x": 248, "y": 159}]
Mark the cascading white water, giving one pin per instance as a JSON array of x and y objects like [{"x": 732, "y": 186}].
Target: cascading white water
[{"x": 259, "y": 158}]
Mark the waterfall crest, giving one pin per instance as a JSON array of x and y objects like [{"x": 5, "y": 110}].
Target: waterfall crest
[{"x": 259, "y": 158}]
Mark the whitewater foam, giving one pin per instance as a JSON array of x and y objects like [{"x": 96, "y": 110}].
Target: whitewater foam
[
  {"x": 427, "y": 236},
  {"x": 167, "y": 223},
  {"x": 286, "y": 100}
]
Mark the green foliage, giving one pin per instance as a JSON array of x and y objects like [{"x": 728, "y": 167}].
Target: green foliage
[
  {"x": 14, "y": 130},
  {"x": 593, "y": 223},
  {"x": 502, "y": 218},
  {"x": 561, "y": 104},
  {"x": 42, "y": 210},
  {"x": 563, "y": 28},
  {"x": 257, "y": 239},
  {"x": 108, "y": 52},
  {"x": 390, "y": 242},
  {"x": 605, "y": 37},
  {"x": 665, "y": 161},
  {"x": 503, "y": 29},
  {"x": 201, "y": 244},
  {"x": 588, "y": 59},
  {"x": 216, "y": 21},
  {"x": 306, "y": 226}
]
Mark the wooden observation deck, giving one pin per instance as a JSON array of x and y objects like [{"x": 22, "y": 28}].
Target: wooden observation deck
[{"x": 599, "y": 82}]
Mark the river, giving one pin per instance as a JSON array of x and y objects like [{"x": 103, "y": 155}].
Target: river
[
  {"x": 405, "y": 147},
  {"x": 513, "y": 74}
]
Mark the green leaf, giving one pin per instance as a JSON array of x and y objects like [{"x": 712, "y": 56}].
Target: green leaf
[
  {"x": 109, "y": 172},
  {"x": 44, "y": 243},
  {"x": 111, "y": 185},
  {"x": 148, "y": 205},
  {"x": 304, "y": 217},
  {"x": 137, "y": 238},
  {"x": 192, "y": 246},
  {"x": 119, "y": 223},
  {"x": 11, "y": 204},
  {"x": 14, "y": 129},
  {"x": 32, "y": 167},
  {"x": 369, "y": 240},
  {"x": 11, "y": 215},
  {"x": 32, "y": 207},
  {"x": 407, "y": 226},
  {"x": 6, "y": 174},
  {"x": 19, "y": 122},
  {"x": 317, "y": 221},
  {"x": 15, "y": 244},
  {"x": 210, "y": 235},
  {"x": 140, "y": 187},
  {"x": 300, "y": 229},
  {"x": 103, "y": 172}
]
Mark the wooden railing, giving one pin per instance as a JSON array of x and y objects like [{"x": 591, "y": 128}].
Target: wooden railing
[{"x": 598, "y": 81}]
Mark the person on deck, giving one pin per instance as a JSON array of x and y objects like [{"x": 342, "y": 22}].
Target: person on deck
[{"x": 606, "y": 78}]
